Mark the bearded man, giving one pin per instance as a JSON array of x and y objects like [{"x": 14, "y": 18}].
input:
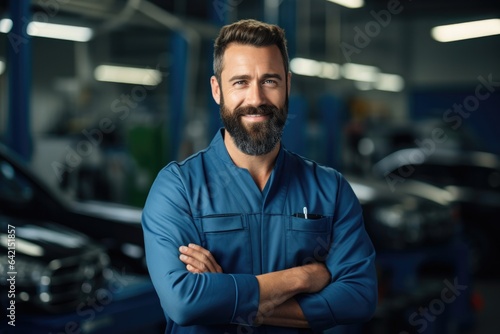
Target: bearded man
[{"x": 246, "y": 236}]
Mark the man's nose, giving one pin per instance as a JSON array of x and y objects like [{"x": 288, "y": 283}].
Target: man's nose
[{"x": 255, "y": 95}]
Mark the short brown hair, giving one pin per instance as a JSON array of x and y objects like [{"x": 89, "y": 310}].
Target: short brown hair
[{"x": 248, "y": 32}]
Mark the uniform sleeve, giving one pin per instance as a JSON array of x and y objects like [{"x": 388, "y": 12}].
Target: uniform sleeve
[
  {"x": 186, "y": 298},
  {"x": 351, "y": 297}
]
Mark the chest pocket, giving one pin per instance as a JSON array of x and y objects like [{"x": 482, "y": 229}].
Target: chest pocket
[
  {"x": 228, "y": 239},
  {"x": 307, "y": 240}
]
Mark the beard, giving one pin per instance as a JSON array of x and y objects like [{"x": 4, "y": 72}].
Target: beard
[{"x": 256, "y": 138}]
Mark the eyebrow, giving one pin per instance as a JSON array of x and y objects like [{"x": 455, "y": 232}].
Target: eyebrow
[{"x": 265, "y": 76}]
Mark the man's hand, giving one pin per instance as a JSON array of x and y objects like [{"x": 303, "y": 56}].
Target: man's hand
[{"x": 198, "y": 259}]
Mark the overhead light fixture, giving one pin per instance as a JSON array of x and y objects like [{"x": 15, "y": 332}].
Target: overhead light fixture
[
  {"x": 59, "y": 31},
  {"x": 349, "y": 3},
  {"x": 52, "y": 30},
  {"x": 330, "y": 71},
  {"x": 128, "y": 75},
  {"x": 5, "y": 25},
  {"x": 365, "y": 77},
  {"x": 389, "y": 82},
  {"x": 466, "y": 30},
  {"x": 360, "y": 72},
  {"x": 303, "y": 66},
  {"x": 314, "y": 68},
  {"x": 385, "y": 81}
]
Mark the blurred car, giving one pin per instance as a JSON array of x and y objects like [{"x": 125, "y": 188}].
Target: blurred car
[
  {"x": 23, "y": 195},
  {"x": 416, "y": 231},
  {"x": 77, "y": 266},
  {"x": 414, "y": 216},
  {"x": 474, "y": 180},
  {"x": 433, "y": 153},
  {"x": 48, "y": 267},
  {"x": 376, "y": 141}
]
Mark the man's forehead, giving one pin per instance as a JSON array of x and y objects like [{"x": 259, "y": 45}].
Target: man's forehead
[{"x": 239, "y": 57}]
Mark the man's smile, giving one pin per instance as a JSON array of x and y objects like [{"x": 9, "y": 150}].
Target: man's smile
[{"x": 256, "y": 117}]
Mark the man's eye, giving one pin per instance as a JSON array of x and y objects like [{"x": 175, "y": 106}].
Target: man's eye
[
  {"x": 271, "y": 82},
  {"x": 239, "y": 83}
]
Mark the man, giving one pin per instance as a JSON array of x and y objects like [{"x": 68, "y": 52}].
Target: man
[{"x": 245, "y": 236}]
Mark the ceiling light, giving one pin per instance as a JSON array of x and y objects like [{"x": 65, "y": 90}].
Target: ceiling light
[
  {"x": 389, "y": 82},
  {"x": 129, "y": 75},
  {"x": 466, "y": 30},
  {"x": 365, "y": 77},
  {"x": 349, "y": 3},
  {"x": 305, "y": 66},
  {"x": 5, "y": 25},
  {"x": 51, "y": 30},
  {"x": 360, "y": 72},
  {"x": 59, "y": 31},
  {"x": 384, "y": 81},
  {"x": 314, "y": 68},
  {"x": 329, "y": 71}
]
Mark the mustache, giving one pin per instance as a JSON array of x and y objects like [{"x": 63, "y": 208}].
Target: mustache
[{"x": 260, "y": 110}]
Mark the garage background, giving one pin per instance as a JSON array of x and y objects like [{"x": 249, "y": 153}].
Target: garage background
[{"x": 95, "y": 137}]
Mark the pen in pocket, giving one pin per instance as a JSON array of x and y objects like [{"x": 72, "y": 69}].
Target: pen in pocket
[{"x": 306, "y": 215}]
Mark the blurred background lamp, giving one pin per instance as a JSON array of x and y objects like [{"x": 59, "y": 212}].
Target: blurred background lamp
[
  {"x": 59, "y": 31},
  {"x": 128, "y": 75},
  {"x": 314, "y": 68},
  {"x": 329, "y": 71},
  {"x": 390, "y": 82},
  {"x": 51, "y": 30},
  {"x": 466, "y": 30},
  {"x": 303, "y": 66},
  {"x": 360, "y": 72},
  {"x": 5, "y": 25},
  {"x": 349, "y": 3}
]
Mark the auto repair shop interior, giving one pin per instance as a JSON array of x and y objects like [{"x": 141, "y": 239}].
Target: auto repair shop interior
[{"x": 96, "y": 96}]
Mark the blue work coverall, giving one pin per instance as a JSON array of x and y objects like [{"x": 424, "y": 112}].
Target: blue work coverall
[{"x": 209, "y": 201}]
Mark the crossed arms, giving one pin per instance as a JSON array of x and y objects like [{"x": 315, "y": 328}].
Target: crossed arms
[
  {"x": 341, "y": 290},
  {"x": 277, "y": 305}
]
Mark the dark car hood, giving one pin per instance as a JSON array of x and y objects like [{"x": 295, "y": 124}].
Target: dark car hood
[
  {"x": 369, "y": 189},
  {"x": 109, "y": 211},
  {"x": 470, "y": 176},
  {"x": 43, "y": 240}
]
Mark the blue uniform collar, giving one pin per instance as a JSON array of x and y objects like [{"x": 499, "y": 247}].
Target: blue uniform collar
[{"x": 220, "y": 149}]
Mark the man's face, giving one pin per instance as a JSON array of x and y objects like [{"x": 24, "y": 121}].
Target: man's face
[{"x": 253, "y": 97}]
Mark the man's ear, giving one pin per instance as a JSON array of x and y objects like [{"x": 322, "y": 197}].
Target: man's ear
[{"x": 215, "y": 89}]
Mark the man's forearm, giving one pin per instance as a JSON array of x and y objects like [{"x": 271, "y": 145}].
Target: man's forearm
[
  {"x": 287, "y": 314},
  {"x": 277, "y": 289}
]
